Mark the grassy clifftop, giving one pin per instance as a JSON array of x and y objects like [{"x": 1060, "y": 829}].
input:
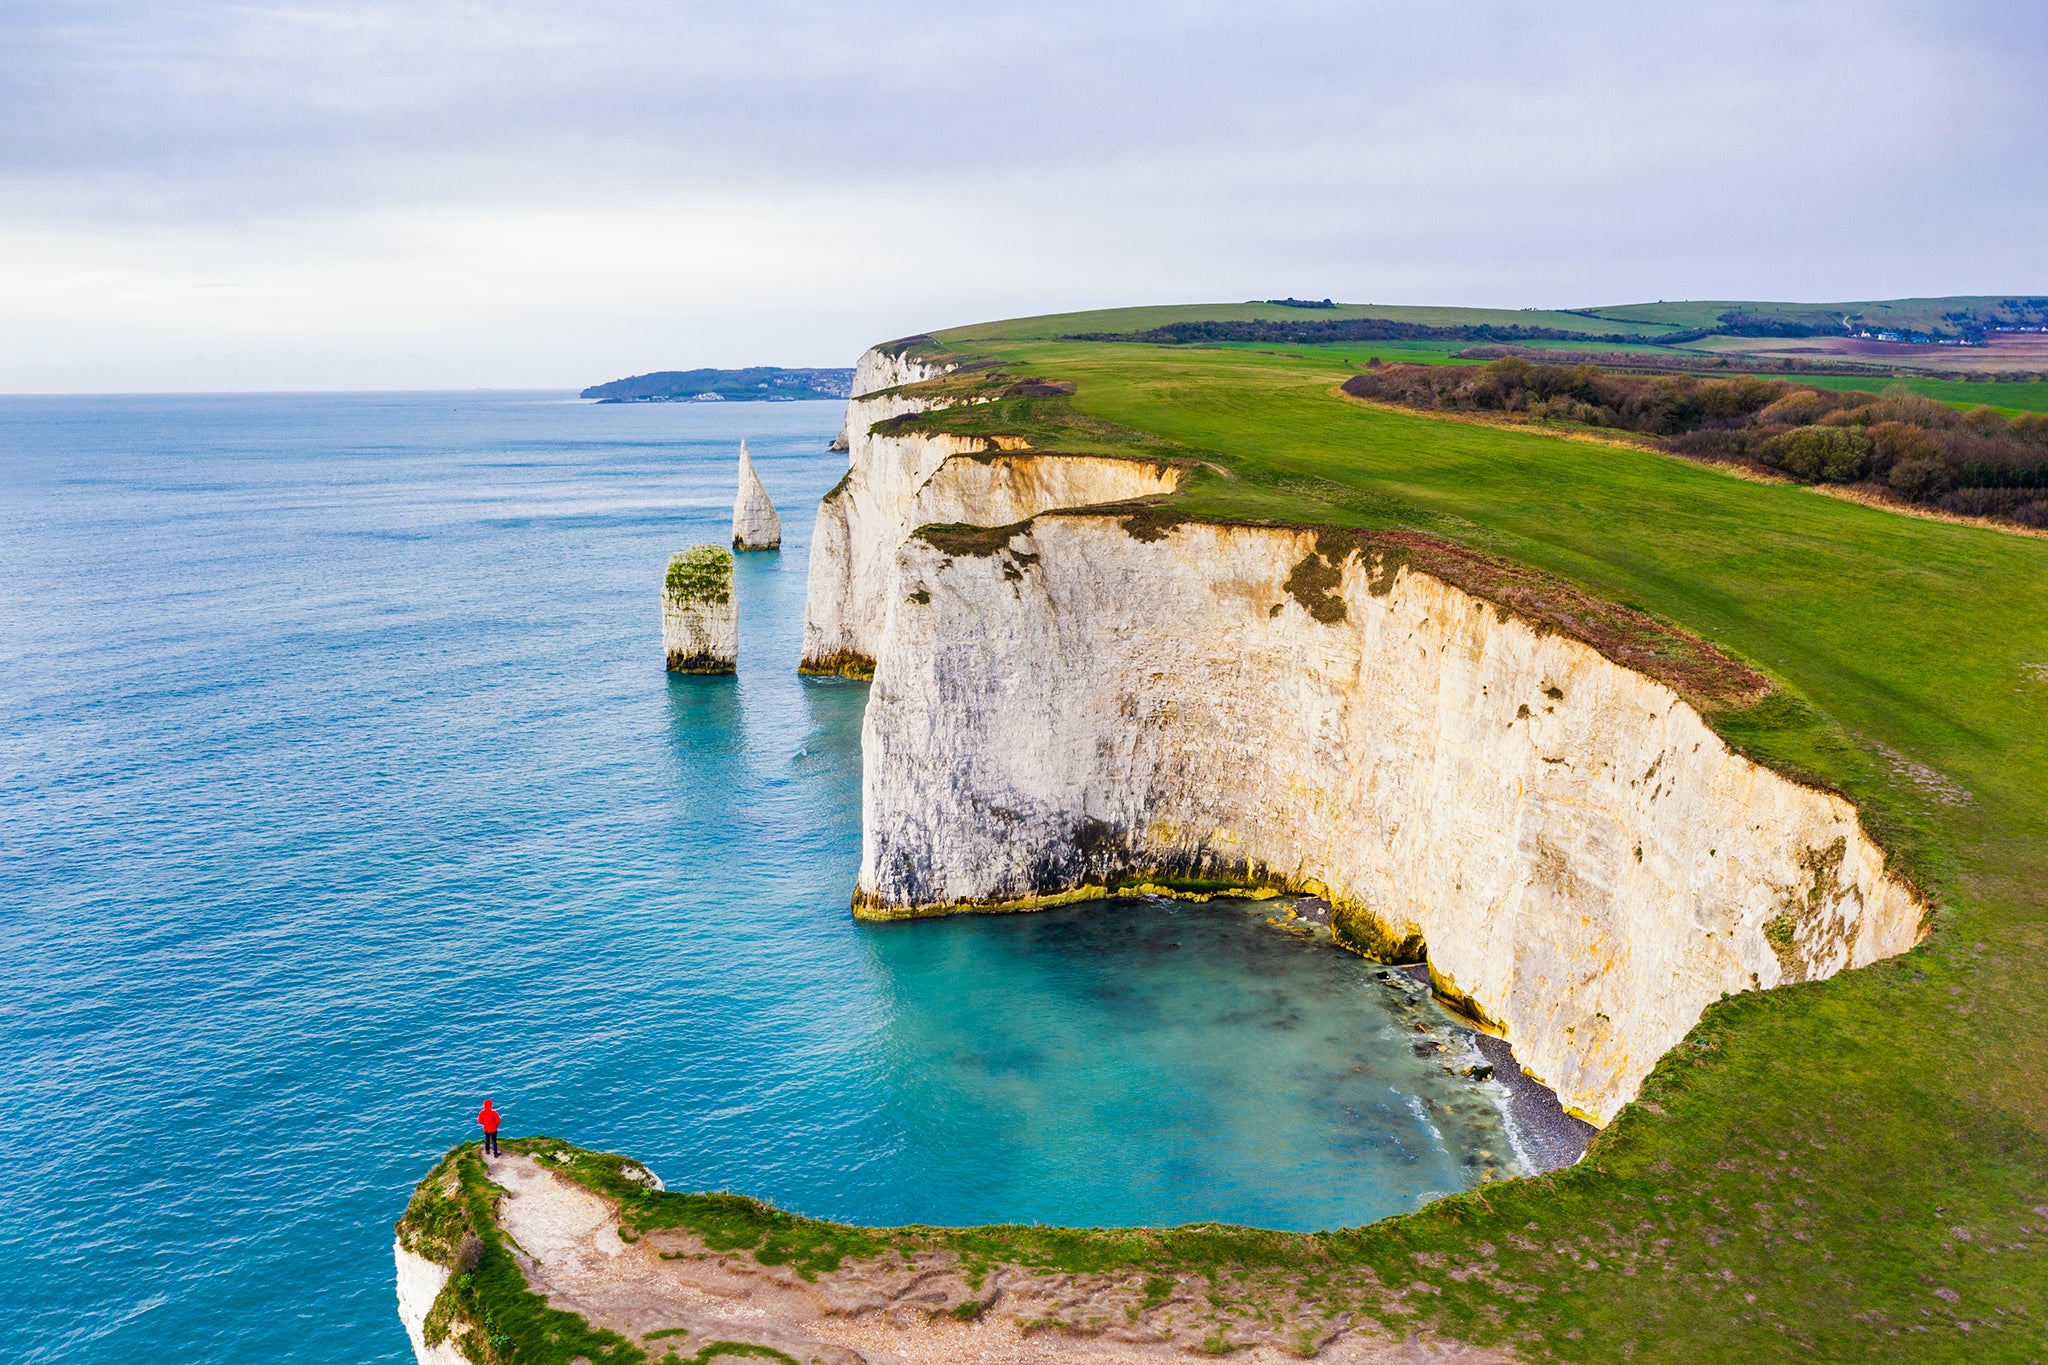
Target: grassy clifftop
[{"x": 1854, "y": 1168}]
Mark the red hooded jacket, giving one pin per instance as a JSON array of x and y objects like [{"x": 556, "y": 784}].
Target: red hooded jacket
[{"x": 488, "y": 1117}]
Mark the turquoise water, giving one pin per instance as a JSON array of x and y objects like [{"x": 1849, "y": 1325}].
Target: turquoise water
[{"x": 342, "y": 786}]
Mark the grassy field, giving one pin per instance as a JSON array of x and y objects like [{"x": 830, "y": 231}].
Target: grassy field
[
  {"x": 1899, "y": 314},
  {"x": 1054, "y": 325},
  {"x": 1856, "y": 1168},
  {"x": 2009, "y": 400},
  {"x": 2005, "y": 397}
]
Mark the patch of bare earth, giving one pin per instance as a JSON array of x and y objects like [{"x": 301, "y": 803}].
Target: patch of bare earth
[{"x": 897, "y": 1310}]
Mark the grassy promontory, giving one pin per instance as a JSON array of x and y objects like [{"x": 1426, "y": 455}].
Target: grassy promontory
[{"x": 1841, "y": 1170}]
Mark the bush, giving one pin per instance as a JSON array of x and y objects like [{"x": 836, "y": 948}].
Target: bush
[
  {"x": 1892, "y": 443},
  {"x": 1820, "y": 454},
  {"x": 1920, "y": 449},
  {"x": 1918, "y": 480},
  {"x": 1985, "y": 502},
  {"x": 2031, "y": 427}
]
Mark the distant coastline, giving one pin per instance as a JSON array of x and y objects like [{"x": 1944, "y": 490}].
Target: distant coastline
[{"x": 757, "y": 384}]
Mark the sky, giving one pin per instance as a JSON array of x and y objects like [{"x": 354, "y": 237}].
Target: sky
[{"x": 368, "y": 195}]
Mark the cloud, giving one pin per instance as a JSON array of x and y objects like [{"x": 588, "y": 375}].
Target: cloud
[{"x": 297, "y": 195}]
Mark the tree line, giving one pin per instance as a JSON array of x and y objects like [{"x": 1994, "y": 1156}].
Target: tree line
[{"x": 1896, "y": 443}]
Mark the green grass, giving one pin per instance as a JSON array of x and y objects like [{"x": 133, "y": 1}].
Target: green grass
[
  {"x": 2009, "y": 399},
  {"x": 508, "y": 1324},
  {"x": 702, "y": 573}
]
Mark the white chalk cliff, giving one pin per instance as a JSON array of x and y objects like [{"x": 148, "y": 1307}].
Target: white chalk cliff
[
  {"x": 896, "y": 483},
  {"x": 754, "y": 523},
  {"x": 1071, "y": 708},
  {"x": 420, "y": 1282}
]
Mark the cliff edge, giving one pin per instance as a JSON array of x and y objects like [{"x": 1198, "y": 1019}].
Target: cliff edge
[{"x": 1068, "y": 705}]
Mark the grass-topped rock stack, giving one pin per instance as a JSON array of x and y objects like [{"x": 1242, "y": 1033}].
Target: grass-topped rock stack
[{"x": 700, "y": 621}]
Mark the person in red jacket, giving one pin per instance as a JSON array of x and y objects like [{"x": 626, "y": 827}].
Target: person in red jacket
[{"x": 489, "y": 1117}]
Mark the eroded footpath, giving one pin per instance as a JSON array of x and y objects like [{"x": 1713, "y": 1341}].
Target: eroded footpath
[{"x": 628, "y": 1273}]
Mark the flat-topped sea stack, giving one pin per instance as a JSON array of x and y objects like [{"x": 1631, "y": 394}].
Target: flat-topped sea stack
[
  {"x": 754, "y": 523},
  {"x": 700, "y": 621}
]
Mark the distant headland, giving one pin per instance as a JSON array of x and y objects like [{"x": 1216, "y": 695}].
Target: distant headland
[{"x": 756, "y": 384}]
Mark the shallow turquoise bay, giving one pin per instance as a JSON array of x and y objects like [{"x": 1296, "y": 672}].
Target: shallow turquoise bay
[{"x": 342, "y": 786}]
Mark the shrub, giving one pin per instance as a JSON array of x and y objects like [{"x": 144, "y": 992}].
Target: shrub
[
  {"x": 1920, "y": 449},
  {"x": 1820, "y": 454},
  {"x": 703, "y": 573},
  {"x": 1918, "y": 480},
  {"x": 1894, "y": 442},
  {"x": 2031, "y": 427},
  {"x": 1984, "y": 502}
]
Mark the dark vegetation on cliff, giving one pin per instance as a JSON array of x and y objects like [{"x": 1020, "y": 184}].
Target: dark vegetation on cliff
[{"x": 1898, "y": 443}]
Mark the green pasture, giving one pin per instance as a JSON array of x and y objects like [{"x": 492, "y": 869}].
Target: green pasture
[
  {"x": 1904, "y": 314},
  {"x": 1852, "y": 1169},
  {"x": 2006, "y": 398},
  {"x": 1054, "y": 325}
]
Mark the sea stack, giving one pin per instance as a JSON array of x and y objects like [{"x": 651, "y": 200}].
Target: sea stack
[
  {"x": 700, "y": 622},
  {"x": 754, "y": 523}
]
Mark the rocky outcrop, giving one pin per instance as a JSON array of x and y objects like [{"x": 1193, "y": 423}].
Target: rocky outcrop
[
  {"x": 863, "y": 519},
  {"x": 754, "y": 523},
  {"x": 419, "y": 1283},
  {"x": 896, "y": 482},
  {"x": 700, "y": 624},
  {"x": 648, "y": 1288},
  {"x": 1068, "y": 708}
]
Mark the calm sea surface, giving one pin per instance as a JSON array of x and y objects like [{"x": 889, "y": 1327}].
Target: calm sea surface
[{"x": 341, "y": 786}]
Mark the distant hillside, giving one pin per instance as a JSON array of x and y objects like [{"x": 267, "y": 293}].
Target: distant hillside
[
  {"x": 1965, "y": 321},
  {"x": 2003, "y": 336},
  {"x": 756, "y": 384}
]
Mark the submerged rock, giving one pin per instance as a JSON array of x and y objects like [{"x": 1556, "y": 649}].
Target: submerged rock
[
  {"x": 700, "y": 622},
  {"x": 754, "y": 523}
]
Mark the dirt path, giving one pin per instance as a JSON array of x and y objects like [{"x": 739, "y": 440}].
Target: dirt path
[{"x": 898, "y": 1313}]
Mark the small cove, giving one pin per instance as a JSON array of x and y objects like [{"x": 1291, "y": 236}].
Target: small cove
[{"x": 346, "y": 787}]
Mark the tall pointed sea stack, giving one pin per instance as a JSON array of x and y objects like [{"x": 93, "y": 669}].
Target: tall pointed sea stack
[
  {"x": 754, "y": 523},
  {"x": 700, "y": 622}
]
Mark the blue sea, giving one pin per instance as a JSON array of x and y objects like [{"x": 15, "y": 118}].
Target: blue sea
[{"x": 342, "y": 786}]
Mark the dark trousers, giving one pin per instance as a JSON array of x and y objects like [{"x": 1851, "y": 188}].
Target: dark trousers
[{"x": 491, "y": 1143}]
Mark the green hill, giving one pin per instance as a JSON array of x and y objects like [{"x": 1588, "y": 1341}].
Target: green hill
[{"x": 761, "y": 383}]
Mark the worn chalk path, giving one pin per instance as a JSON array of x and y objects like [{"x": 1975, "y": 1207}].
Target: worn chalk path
[{"x": 894, "y": 1313}]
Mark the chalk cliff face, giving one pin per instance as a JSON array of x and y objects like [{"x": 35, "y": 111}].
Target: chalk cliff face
[
  {"x": 700, "y": 621},
  {"x": 896, "y": 483},
  {"x": 754, "y": 523},
  {"x": 1585, "y": 863},
  {"x": 861, "y": 522},
  {"x": 419, "y": 1283}
]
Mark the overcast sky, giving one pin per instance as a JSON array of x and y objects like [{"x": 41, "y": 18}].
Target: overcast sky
[{"x": 360, "y": 194}]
